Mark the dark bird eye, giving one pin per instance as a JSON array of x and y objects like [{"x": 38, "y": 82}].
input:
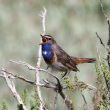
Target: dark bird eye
[
  {"x": 44, "y": 40},
  {"x": 49, "y": 38}
]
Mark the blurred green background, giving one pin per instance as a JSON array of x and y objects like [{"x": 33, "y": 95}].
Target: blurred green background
[{"x": 73, "y": 24}]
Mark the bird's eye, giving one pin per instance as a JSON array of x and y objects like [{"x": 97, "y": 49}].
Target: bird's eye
[
  {"x": 49, "y": 38},
  {"x": 44, "y": 39}
]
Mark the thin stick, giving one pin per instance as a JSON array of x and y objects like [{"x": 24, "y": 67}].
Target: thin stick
[
  {"x": 55, "y": 100},
  {"x": 42, "y": 104},
  {"x": 30, "y": 67},
  {"x": 84, "y": 98},
  {"x": 100, "y": 40},
  {"x": 48, "y": 84},
  {"x": 43, "y": 16},
  {"x": 13, "y": 76},
  {"x": 23, "y": 63},
  {"x": 12, "y": 87}
]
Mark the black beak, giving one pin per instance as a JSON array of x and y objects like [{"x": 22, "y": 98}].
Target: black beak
[{"x": 41, "y": 35}]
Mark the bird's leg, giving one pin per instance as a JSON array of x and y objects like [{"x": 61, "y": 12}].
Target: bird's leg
[
  {"x": 76, "y": 78},
  {"x": 66, "y": 72}
]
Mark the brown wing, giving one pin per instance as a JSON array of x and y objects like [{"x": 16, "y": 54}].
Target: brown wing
[{"x": 64, "y": 58}]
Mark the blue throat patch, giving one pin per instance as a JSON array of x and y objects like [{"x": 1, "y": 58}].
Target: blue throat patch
[{"x": 47, "y": 52}]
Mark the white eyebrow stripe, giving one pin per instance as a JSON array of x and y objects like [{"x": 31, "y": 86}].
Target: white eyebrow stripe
[{"x": 47, "y": 37}]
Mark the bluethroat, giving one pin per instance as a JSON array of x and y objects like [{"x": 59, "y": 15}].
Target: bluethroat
[{"x": 56, "y": 58}]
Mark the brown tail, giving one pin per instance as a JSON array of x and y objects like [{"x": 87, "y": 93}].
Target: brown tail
[{"x": 83, "y": 60}]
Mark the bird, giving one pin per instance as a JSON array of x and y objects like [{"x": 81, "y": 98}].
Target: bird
[{"x": 59, "y": 60}]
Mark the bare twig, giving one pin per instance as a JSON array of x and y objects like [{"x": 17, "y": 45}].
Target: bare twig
[
  {"x": 84, "y": 98},
  {"x": 12, "y": 87},
  {"x": 68, "y": 102},
  {"x": 49, "y": 84},
  {"x": 101, "y": 42},
  {"x": 59, "y": 89},
  {"x": 30, "y": 67},
  {"x": 23, "y": 63},
  {"x": 42, "y": 104},
  {"x": 13, "y": 76},
  {"x": 85, "y": 102},
  {"x": 43, "y": 16},
  {"x": 55, "y": 100}
]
